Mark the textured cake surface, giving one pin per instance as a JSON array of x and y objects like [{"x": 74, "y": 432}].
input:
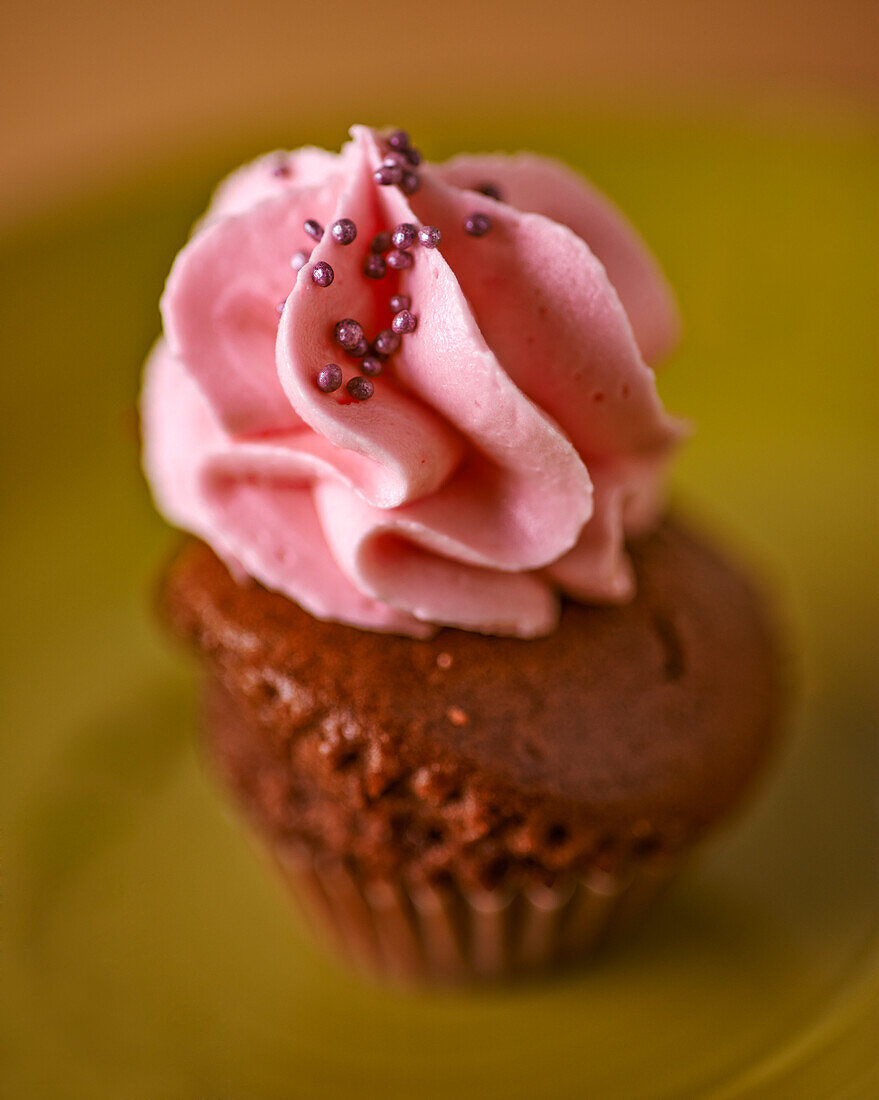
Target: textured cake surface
[{"x": 628, "y": 731}]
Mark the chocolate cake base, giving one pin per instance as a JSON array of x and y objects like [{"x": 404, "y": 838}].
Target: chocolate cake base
[{"x": 535, "y": 792}]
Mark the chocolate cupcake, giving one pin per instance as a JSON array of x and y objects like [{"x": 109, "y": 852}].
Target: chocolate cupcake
[{"x": 474, "y": 693}]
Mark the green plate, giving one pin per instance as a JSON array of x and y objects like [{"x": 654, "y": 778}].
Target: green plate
[{"x": 148, "y": 954}]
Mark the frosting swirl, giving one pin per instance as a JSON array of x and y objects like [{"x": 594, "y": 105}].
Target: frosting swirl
[{"x": 512, "y": 441}]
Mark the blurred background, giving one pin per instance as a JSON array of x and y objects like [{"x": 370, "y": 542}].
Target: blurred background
[
  {"x": 93, "y": 92},
  {"x": 146, "y": 953}
]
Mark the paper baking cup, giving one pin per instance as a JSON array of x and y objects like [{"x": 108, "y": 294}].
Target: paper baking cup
[{"x": 445, "y": 935}]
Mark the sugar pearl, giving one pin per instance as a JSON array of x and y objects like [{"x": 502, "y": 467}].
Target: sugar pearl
[
  {"x": 404, "y": 236},
  {"x": 388, "y": 174},
  {"x": 329, "y": 378},
  {"x": 387, "y": 342},
  {"x": 322, "y": 273},
  {"x": 429, "y": 236},
  {"x": 477, "y": 225},
  {"x": 375, "y": 266},
  {"x": 404, "y": 322},
  {"x": 489, "y": 189},
  {"x": 399, "y": 261},
  {"x": 361, "y": 389},
  {"x": 398, "y": 139},
  {"x": 343, "y": 231},
  {"x": 348, "y": 333}
]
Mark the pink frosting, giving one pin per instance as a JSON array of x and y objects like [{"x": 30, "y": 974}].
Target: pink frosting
[{"x": 512, "y": 442}]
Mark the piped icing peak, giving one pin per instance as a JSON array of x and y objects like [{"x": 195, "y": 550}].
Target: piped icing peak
[{"x": 409, "y": 395}]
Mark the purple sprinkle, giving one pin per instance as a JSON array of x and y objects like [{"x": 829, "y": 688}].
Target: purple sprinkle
[
  {"x": 381, "y": 242},
  {"x": 280, "y": 306},
  {"x": 399, "y": 261},
  {"x": 388, "y": 174},
  {"x": 404, "y": 236},
  {"x": 322, "y": 273},
  {"x": 398, "y": 139},
  {"x": 410, "y": 183},
  {"x": 413, "y": 156},
  {"x": 400, "y": 301},
  {"x": 491, "y": 190},
  {"x": 387, "y": 342},
  {"x": 360, "y": 348},
  {"x": 429, "y": 236},
  {"x": 375, "y": 266},
  {"x": 281, "y": 170},
  {"x": 329, "y": 378},
  {"x": 477, "y": 225},
  {"x": 343, "y": 231},
  {"x": 348, "y": 333},
  {"x": 396, "y": 160},
  {"x": 361, "y": 389},
  {"x": 298, "y": 260},
  {"x": 404, "y": 322},
  {"x": 372, "y": 366},
  {"x": 313, "y": 228}
]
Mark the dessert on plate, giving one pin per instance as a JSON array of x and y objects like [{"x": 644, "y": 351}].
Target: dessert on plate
[{"x": 475, "y": 690}]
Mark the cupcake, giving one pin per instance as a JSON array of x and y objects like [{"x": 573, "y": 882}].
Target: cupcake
[{"x": 473, "y": 688}]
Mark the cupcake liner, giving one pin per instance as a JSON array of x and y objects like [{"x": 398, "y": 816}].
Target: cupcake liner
[{"x": 423, "y": 934}]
